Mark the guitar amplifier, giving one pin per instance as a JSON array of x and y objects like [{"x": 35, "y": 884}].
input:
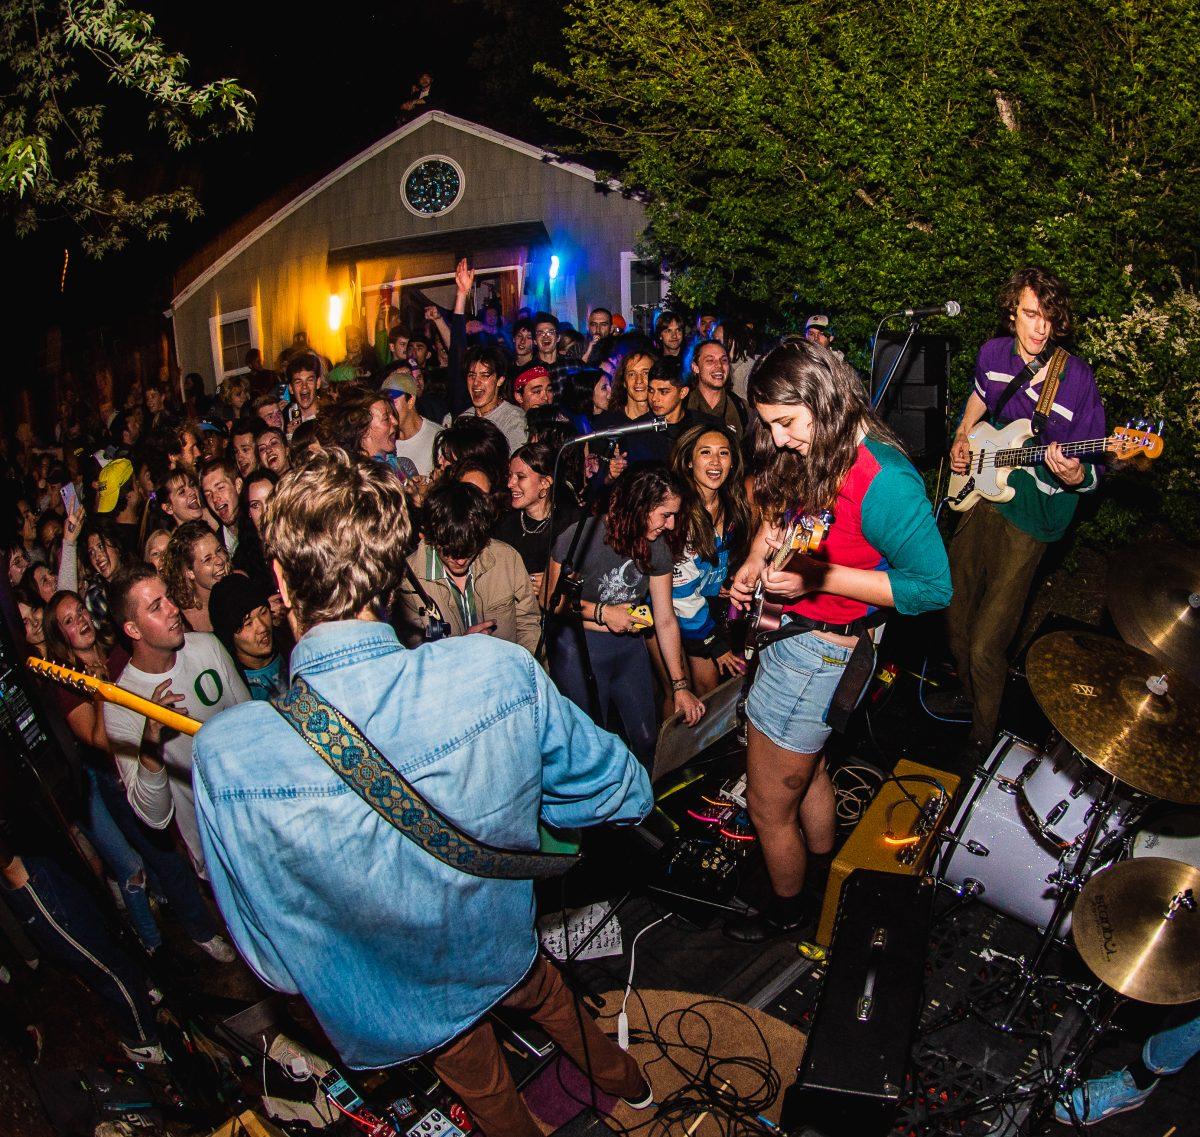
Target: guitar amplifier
[
  {"x": 892, "y": 836},
  {"x": 855, "y": 1061}
]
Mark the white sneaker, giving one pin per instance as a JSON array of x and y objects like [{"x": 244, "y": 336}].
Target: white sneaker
[
  {"x": 641, "y": 1101},
  {"x": 219, "y": 948},
  {"x": 152, "y": 1054}
]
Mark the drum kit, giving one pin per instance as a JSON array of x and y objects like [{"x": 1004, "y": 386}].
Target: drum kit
[{"x": 1052, "y": 837}]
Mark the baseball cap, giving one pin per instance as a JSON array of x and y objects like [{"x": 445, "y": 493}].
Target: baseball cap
[
  {"x": 399, "y": 383},
  {"x": 113, "y": 477},
  {"x": 211, "y": 426},
  {"x": 821, "y": 322}
]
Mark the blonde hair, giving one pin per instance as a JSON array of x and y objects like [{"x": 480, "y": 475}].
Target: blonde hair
[{"x": 339, "y": 527}]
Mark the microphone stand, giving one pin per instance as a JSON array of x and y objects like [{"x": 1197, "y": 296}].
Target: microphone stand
[
  {"x": 914, "y": 324},
  {"x": 565, "y": 583}
]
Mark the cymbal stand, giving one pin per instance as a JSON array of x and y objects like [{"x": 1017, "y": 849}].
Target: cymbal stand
[
  {"x": 1069, "y": 882},
  {"x": 1048, "y": 1084}
]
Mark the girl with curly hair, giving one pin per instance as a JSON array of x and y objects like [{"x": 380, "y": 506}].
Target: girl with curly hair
[
  {"x": 620, "y": 557},
  {"x": 194, "y": 561},
  {"x": 821, "y": 447}
]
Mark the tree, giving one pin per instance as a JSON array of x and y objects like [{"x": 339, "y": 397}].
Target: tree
[
  {"x": 66, "y": 65},
  {"x": 855, "y": 158}
]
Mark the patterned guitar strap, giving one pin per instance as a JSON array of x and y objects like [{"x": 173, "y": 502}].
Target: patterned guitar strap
[
  {"x": 357, "y": 761},
  {"x": 1045, "y": 403}
]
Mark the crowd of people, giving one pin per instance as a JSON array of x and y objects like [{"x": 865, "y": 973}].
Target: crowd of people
[{"x": 463, "y": 484}]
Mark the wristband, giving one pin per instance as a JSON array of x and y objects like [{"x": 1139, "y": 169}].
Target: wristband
[
  {"x": 599, "y": 614},
  {"x": 679, "y": 684}
]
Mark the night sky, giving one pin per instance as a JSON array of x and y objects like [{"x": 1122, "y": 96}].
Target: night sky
[{"x": 325, "y": 90}]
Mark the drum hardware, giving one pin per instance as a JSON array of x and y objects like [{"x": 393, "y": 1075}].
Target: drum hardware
[{"x": 1104, "y": 807}]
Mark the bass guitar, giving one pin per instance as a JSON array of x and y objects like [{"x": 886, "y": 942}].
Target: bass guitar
[
  {"x": 997, "y": 451},
  {"x": 90, "y": 685},
  {"x": 803, "y": 535}
]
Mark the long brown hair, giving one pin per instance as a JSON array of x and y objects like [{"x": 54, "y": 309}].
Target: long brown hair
[
  {"x": 697, "y": 524},
  {"x": 798, "y": 372}
]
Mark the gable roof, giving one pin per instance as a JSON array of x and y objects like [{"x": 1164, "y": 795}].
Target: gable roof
[{"x": 536, "y": 152}]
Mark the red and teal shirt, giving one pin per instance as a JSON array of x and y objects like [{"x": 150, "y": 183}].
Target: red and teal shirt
[{"x": 882, "y": 521}]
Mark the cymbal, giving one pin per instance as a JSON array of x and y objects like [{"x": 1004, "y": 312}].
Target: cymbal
[
  {"x": 1095, "y": 691},
  {"x": 1137, "y": 927},
  {"x": 1154, "y": 599}
]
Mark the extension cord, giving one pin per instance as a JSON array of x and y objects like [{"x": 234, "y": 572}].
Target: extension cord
[{"x": 623, "y": 1031}]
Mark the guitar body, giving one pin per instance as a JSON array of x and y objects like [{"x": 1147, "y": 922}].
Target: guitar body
[
  {"x": 802, "y": 536},
  {"x": 985, "y": 480}
]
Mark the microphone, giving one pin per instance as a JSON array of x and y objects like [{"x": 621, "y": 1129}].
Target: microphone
[
  {"x": 617, "y": 431},
  {"x": 949, "y": 308}
]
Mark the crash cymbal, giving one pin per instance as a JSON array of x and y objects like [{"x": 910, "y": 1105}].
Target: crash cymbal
[
  {"x": 1121, "y": 710},
  {"x": 1154, "y": 598},
  {"x": 1137, "y": 927}
]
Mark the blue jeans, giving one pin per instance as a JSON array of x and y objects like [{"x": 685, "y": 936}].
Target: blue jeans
[
  {"x": 65, "y": 923},
  {"x": 129, "y": 846},
  {"x": 793, "y": 688},
  {"x": 621, "y": 665}
]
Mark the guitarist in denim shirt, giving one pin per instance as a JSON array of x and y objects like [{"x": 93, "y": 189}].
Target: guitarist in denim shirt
[
  {"x": 996, "y": 548},
  {"x": 398, "y": 953}
]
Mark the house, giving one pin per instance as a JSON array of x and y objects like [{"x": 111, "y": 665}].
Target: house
[{"x": 389, "y": 225}]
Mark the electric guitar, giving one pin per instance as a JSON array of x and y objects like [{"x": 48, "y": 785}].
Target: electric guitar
[
  {"x": 996, "y": 451},
  {"x": 803, "y": 535},
  {"x": 89, "y": 684}
]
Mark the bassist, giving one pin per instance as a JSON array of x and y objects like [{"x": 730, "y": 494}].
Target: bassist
[{"x": 997, "y": 546}]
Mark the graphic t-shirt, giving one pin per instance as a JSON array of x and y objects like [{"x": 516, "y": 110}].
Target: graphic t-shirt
[
  {"x": 609, "y": 577},
  {"x": 209, "y": 682}
]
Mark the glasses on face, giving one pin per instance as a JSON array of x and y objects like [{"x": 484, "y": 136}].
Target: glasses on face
[{"x": 546, "y": 334}]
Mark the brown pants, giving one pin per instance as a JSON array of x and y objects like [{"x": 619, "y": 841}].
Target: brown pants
[
  {"x": 992, "y": 563},
  {"x": 473, "y": 1067}
]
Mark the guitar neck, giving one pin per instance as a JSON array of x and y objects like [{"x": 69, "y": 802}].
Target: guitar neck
[
  {"x": 1035, "y": 455},
  {"x": 111, "y": 693}
]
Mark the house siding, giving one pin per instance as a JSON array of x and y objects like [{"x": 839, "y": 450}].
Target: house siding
[{"x": 284, "y": 274}]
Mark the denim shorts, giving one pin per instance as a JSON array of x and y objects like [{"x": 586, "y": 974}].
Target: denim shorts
[{"x": 793, "y": 688}]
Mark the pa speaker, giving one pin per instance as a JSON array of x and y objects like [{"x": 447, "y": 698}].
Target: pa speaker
[{"x": 914, "y": 404}]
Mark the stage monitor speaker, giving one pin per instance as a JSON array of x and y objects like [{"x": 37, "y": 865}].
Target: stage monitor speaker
[
  {"x": 914, "y": 405},
  {"x": 855, "y": 1063}
]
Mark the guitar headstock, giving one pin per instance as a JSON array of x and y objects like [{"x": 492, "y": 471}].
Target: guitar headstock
[
  {"x": 803, "y": 534},
  {"x": 1137, "y": 438},
  {"x": 59, "y": 674}
]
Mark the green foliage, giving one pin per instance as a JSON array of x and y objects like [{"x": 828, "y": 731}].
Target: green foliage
[
  {"x": 1147, "y": 362},
  {"x": 56, "y": 160},
  {"x": 855, "y": 157}
]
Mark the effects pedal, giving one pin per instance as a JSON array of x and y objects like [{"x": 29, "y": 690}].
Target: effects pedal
[{"x": 642, "y": 613}]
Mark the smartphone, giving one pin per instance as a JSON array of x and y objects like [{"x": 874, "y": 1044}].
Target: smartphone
[{"x": 70, "y": 497}]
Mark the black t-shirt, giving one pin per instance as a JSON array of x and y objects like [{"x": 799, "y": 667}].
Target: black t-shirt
[
  {"x": 533, "y": 544},
  {"x": 607, "y": 576}
]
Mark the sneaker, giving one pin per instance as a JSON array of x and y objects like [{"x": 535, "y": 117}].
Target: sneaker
[
  {"x": 951, "y": 704},
  {"x": 773, "y": 921},
  {"x": 641, "y": 1100},
  {"x": 148, "y": 1054},
  {"x": 219, "y": 948},
  {"x": 1099, "y": 1098},
  {"x": 1170, "y": 1050}
]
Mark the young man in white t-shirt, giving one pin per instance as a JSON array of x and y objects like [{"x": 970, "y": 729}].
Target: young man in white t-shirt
[
  {"x": 190, "y": 673},
  {"x": 414, "y": 433}
]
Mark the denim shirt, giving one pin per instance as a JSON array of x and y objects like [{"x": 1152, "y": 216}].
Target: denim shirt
[{"x": 395, "y": 952}]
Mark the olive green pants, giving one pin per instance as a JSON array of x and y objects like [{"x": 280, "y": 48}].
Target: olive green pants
[{"x": 992, "y": 563}]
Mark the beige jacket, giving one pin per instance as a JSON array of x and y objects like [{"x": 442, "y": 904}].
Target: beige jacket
[{"x": 502, "y": 589}]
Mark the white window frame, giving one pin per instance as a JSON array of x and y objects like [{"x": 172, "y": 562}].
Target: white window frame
[
  {"x": 627, "y": 260},
  {"x": 216, "y": 323},
  {"x": 448, "y": 278},
  {"x": 462, "y": 186}
]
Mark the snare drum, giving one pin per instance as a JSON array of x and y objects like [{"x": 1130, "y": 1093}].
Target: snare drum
[
  {"x": 1175, "y": 836},
  {"x": 1010, "y": 850}
]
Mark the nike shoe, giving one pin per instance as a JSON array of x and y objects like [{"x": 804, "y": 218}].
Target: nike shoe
[{"x": 1103, "y": 1097}]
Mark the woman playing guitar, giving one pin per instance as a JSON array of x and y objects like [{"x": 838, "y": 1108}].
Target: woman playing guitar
[{"x": 821, "y": 447}]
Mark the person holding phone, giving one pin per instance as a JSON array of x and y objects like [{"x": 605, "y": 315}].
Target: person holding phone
[{"x": 479, "y": 585}]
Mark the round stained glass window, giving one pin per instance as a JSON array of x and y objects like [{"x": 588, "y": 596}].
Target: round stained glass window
[{"x": 433, "y": 186}]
